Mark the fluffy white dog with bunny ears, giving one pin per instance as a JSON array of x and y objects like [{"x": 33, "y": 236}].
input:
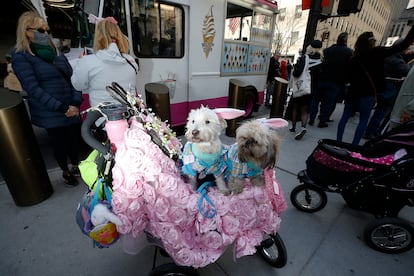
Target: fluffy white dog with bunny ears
[
  {"x": 204, "y": 152},
  {"x": 255, "y": 150}
]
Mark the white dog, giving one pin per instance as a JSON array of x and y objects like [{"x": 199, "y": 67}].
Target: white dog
[
  {"x": 204, "y": 152},
  {"x": 255, "y": 150}
]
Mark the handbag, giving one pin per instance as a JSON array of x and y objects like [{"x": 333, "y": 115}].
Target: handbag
[{"x": 301, "y": 85}]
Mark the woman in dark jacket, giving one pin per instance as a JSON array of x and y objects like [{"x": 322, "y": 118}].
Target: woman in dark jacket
[
  {"x": 366, "y": 78},
  {"x": 53, "y": 102}
]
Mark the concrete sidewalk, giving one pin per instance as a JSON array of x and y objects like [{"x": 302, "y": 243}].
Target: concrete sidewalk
[{"x": 44, "y": 239}]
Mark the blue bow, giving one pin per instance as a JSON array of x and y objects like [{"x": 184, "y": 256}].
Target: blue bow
[{"x": 210, "y": 212}]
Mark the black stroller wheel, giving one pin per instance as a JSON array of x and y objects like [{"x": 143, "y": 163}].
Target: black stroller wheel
[
  {"x": 389, "y": 235},
  {"x": 171, "y": 269},
  {"x": 308, "y": 198},
  {"x": 273, "y": 250}
]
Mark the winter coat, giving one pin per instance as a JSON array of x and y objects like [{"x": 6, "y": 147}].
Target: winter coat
[
  {"x": 396, "y": 67},
  {"x": 274, "y": 69},
  {"x": 92, "y": 73},
  {"x": 372, "y": 64},
  {"x": 49, "y": 92},
  {"x": 335, "y": 62},
  {"x": 405, "y": 98}
]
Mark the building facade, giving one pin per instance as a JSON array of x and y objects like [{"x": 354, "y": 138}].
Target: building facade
[{"x": 377, "y": 16}]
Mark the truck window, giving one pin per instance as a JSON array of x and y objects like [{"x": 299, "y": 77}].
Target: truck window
[
  {"x": 157, "y": 29},
  {"x": 247, "y": 37}
]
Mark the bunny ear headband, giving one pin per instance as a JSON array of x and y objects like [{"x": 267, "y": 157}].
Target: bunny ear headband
[
  {"x": 275, "y": 123},
  {"x": 229, "y": 113},
  {"x": 95, "y": 20}
]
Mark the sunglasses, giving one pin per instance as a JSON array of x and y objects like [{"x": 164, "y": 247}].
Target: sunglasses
[{"x": 40, "y": 30}]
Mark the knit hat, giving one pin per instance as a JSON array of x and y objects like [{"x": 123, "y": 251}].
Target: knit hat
[{"x": 317, "y": 44}]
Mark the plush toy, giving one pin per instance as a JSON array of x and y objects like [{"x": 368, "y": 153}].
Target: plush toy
[
  {"x": 101, "y": 215},
  {"x": 103, "y": 228}
]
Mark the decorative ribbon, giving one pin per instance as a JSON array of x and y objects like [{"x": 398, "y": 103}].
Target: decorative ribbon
[{"x": 209, "y": 212}]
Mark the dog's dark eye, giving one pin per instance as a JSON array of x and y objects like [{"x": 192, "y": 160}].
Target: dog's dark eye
[{"x": 207, "y": 122}]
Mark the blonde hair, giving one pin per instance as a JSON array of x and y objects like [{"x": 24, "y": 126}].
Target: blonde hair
[
  {"x": 26, "y": 20},
  {"x": 107, "y": 32}
]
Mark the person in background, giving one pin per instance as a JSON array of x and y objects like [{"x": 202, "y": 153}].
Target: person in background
[
  {"x": 283, "y": 69},
  {"x": 11, "y": 82},
  {"x": 396, "y": 69},
  {"x": 331, "y": 81},
  {"x": 403, "y": 109},
  {"x": 300, "y": 105},
  {"x": 367, "y": 79},
  {"x": 289, "y": 68},
  {"x": 44, "y": 74},
  {"x": 110, "y": 63},
  {"x": 274, "y": 71}
]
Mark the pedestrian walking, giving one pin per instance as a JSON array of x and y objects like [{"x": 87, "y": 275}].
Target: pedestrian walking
[
  {"x": 332, "y": 80},
  {"x": 273, "y": 71},
  {"x": 396, "y": 69},
  {"x": 367, "y": 79},
  {"x": 303, "y": 84}
]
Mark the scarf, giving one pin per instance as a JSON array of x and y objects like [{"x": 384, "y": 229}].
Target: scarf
[{"x": 45, "y": 52}]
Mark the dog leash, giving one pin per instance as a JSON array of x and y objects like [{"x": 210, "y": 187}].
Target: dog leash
[{"x": 209, "y": 212}]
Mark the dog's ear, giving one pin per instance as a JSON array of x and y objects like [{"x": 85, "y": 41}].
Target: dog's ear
[
  {"x": 229, "y": 113},
  {"x": 274, "y": 123},
  {"x": 273, "y": 146},
  {"x": 223, "y": 122}
]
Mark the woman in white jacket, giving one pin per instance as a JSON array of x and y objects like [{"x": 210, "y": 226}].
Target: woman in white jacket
[{"x": 92, "y": 73}]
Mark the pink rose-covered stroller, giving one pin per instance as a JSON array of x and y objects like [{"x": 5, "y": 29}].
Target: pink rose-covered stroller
[
  {"x": 156, "y": 206},
  {"x": 377, "y": 178}
]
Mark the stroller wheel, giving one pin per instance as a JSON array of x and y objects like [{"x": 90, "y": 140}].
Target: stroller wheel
[
  {"x": 389, "y": 235},
  {"x": 171, "y": 269},
  {"x": 273, "y": 250},
  {"x": 308, "y": 198}
]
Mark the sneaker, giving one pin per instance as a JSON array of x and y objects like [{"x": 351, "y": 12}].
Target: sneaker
[
  {"x": 69, "y": 179},
  {"x": 75, "y": 171},
  {"x": 292, "y": 129},
  {"x": 299, "y": 135},
  {"x": 322, "y": 125}
]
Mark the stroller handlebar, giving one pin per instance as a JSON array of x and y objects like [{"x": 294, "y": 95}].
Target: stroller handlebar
[{"x": 87, "y": 136}]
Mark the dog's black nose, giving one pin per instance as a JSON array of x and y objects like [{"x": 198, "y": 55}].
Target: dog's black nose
[{"x": 195, "y": 132}]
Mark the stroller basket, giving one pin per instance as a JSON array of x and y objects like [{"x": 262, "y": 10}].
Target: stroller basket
[
  {"x": 337, "y": 164},
  {"x": 384, "y": 194}
]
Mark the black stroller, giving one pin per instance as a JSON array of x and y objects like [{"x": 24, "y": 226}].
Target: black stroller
[{"x": 377, "y": 178}]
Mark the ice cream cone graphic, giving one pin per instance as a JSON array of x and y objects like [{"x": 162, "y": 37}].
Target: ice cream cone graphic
[{"x": 208, "y": 32}]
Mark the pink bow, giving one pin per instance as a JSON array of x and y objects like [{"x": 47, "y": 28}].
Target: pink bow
[{"x": 95, "y": 20}]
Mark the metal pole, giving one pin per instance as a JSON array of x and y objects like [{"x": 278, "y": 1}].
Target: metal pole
[{"x": 314, "y": 12}]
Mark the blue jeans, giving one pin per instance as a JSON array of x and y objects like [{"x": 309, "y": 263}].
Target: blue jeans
[
  {"x": 326, "y": 94},
  {"x": 384, "y": 107},
  {"x": 363, "y": 106}
]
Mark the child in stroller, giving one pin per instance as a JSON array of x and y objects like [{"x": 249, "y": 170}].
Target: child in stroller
[{"x": 376, "y": 178}]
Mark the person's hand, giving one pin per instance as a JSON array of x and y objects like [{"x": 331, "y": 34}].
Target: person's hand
[
  {"x": 72, "y": 111},
  {"x": 405, "y": 117}
]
